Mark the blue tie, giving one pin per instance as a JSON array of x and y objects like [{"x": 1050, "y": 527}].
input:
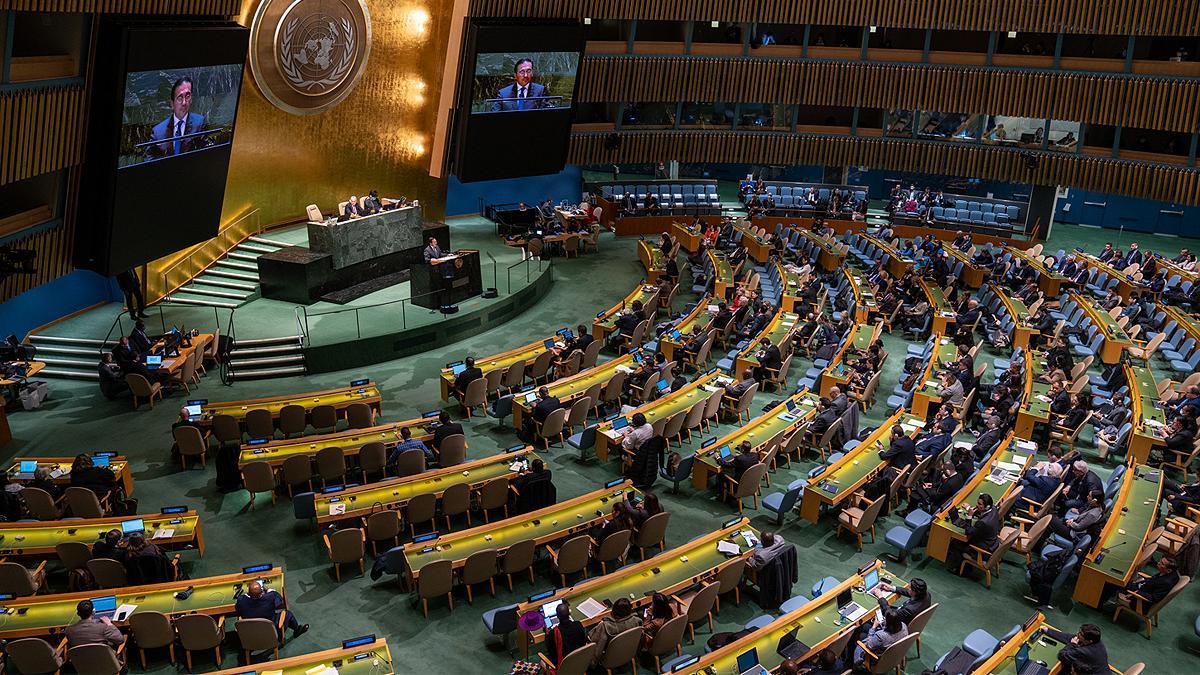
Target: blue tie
[{"x": 178, "y": 133}]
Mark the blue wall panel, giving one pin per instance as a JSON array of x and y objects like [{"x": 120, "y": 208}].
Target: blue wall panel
[
  {"x": 464, "y": 198},
  {"x": 1136, "y": 215},
  {"x": 54, "y": 300}
]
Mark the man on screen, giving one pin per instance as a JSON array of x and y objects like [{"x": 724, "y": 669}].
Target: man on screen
[
  {"x": 180, "y": 123},
  {"x": 525, "y": 91}
]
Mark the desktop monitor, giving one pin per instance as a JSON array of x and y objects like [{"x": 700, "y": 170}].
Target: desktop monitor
[
  {"x": 132, "y": 526},
  {"x": 28, "y": 466}
]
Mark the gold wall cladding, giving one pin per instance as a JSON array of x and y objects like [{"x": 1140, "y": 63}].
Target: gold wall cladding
[
  {"x": 41, "y": 130},
  {"x": 54, "y": 248},
  {"x": 1171, "y": 104},
  {"x": 180, "y": 7},
  {"x": 1106, "y": 17},
  {"x": 1154, "y": 181},
  {"x": 378, "y": 138}
]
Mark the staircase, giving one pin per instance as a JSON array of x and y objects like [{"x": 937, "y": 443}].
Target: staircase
[
  {"x": 266, "y": 357},
  {"x": 231, "y": 281},
  {"x": 69, "y": 357}
]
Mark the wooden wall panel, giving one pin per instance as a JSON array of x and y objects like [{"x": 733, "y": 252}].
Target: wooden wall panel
[
  {"x": 1171, "y": 104},
  {"x": 41, "y": 130},
  {"x": 54, "y": 248},
  {"x": 1140, "y": 179},
  {"x": 1110, "y": 17},
  {"x": 176, "y": 7}
]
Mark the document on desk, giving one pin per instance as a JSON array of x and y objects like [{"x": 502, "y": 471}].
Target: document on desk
[
  {"x": 592, "y": 608},
  {"x": 728, "y": 548},
  {"x": 58, "y": 473},
  {"x": 164, "y": 533},
  {"x": 445, "y": 258},
  {"x": 1008, "y": 466},
  {"x": 337, "y": 509}
]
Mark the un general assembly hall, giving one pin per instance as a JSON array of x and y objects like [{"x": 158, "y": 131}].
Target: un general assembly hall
[{"x": 599, "y": 337}]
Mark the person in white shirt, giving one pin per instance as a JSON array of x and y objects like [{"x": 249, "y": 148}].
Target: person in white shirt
[{"x": 641, "y": 433}]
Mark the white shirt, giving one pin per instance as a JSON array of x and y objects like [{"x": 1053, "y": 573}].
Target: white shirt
[{"x": 634, "y": 439}]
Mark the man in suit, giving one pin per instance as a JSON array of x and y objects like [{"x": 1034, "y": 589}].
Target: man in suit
[
  {"x": 180, "y": 123},
  {"x": 545, "y": 405},
  {"x": 1152, "y": 588},
  {"x": 990, "y": 438},
  {"x": 138, "y": 339},
  {"x": 650, "y": 203},
  {"x": 839, "y": 400},
  {"x": 1081, "y": 482},
  {"x": 917, "y": 592},
  {"x": 125, "y": 354},
  {"x": 982, "y": 531},
  {"x": 524, "y": 91},
  {"x": 445, "y": 428},
  {"x": 628, "y": 203},
  {"x": 372, "y": 203},
  {"x": 901, "y": 452},
  {"x": 353, "y": 209},
  {"x": 131, "y": 287},
  {"x": 935, "y": 441},
  {"x": 931, "y": 494},
  {"x": 769, "y": 358},
  {"x": 737, "y": 465},
  {"x": 1083, "y": 653},
  {"x": 433, "y": 251},
  {"x": 466, "y": 377},
  {"x": 826, "y": 416},
  {"x": 1134, "y": 257},
  {"x": 735, "y": 391}
]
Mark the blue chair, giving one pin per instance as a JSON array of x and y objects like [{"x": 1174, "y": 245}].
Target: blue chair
[
  {"x": 304, "y": 505},
  {"x": 792, "y": 604},
  {"x": 908, "y": 537},
  {"x": 682, "y": 472},
  {"x": 980, "y": 644},
  {"x": 500, "y": 408},
  {"x": 584, "y": 439},
  {"x": 780, "y": 503},
  {"x": 759, "y": 622},
  {"x": 501, "y": 621},
  {"x": 824, "y": 586}
]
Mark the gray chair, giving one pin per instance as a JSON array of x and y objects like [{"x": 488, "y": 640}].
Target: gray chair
[
  {"x": 191, "y": 443},
  {"x": 107, "y": 573},
  {"x": 40, "y": 504},
  {"x": 331, "y": 465},
  {"x": 227, "y": 430},
  {"x": 575, "y": 663},
  {"x": 257, "y": 635},
  {"x": 421, "y": 508},
  {"x": 653, "y": 532},
  {"x": 456, "y": 501},
  {"x": 372, "y": 459},
  {"x": 519, "y": 557},
  {"x": 200, "y": 632},
  {"x": 346, "y": 546},
  {"x": 435, "y": 579},
  {"x": 73, "y": 555},
  {"x": 152, "y": 630},
  {"x": 83, "y": 503},
  {"x": 96, "y": 659},
  {"x": 452, "y": 450},
  {"x": 410, "y": 463},
  {"x": 35, "y": 656},
  {"x": 297, "y": 470},
  {"x": 259, "y": 477},
  {"x": 19, "y": 581},
  {"x": 383, "y": 526},
  {"x": 360, "y": 416},
  {"x": 479, "y": 567}
]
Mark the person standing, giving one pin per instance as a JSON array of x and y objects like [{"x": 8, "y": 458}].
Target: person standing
[{"x": 131, "y": 287}]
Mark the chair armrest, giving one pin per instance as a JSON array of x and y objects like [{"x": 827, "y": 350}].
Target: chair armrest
[
  {"x": 280, "y": 621},
  {"x": 982, "y": 553},
  {"x": 868, "y": 652},
  {"x": 546, "y": 662},
  {"x": 120, "y": 650},
  {"x": 61, "y": 648},
  {"x": 552, "y": 553},
  {"x": 40, "y": 570},
  {"x": 1023, "y": 521},
  {"x": 221, "y": 624},
  {"x": 328, "y": 545}
]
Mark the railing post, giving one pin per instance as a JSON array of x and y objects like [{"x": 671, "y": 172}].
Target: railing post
[{"x": 357, "y": 324}]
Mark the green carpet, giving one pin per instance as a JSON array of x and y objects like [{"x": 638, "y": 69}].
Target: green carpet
[{"x": 77, "y": 419}]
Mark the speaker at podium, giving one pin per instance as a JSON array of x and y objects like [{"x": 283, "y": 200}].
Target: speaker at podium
[{"x": 447, "y": 281}]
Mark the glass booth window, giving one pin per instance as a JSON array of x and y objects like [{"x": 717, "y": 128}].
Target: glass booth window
[
  {"x": 1025, "y": 132},
  {"x": 899, "y": 123},
  {"x": 706, "y": 116}
]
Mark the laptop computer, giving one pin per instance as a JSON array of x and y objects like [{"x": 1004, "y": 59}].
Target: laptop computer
[
  {"x": 26, "y": 469},
  {"x": 847, "y": 607},
  {"x": 871, "y": 579},
  {"x": 791, "y": 648},
  {"x": 153, "y": 361},
  {"x": 724, "y": 452},
  {"x": 105, "y": 605},
  {"x": 548, "y": 343},
  {"x": 549, "y": 613},
  {"x": 194, "y": 411},
  {"x": 99, "y": 460},
  {"x": 676, "y": 334},
  {"x": 662, "y": 385},
  {"x": 133, "y": 526},
  {"x": 620, "y": 423},
  {"x": 747, "y": 663},
  {"x": 457, "y": 370}
]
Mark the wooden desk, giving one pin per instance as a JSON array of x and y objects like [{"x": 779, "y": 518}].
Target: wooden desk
[
  {"x": 817, "y": 634},
  {"x": 373, "y": 658},
  {"x": 864, "y": 298},
  {"x": 652, "y": 259},
  {"x": 836, "y": 374},
  {"x": 758, "y": 247},
  {"x": 1149, "y": 421},
  {"x": 829, "y": 255},
  {"x": 666, "y": 573},
  {"x": 700, "y": 316},
  {"x": 340, "y": 398},
  {"x": 790, "y": 286},
  {"x": 896, "y": 264},
  {"x": 1035, "y": 403},
  {"x": 944, "y": 352},
  {"x": 1190, "y": 322},
  {"x": 1022, "y": 329},
  {"x": 37, "y": 538},
  {"x": 60, "y": 470},
  {"x": 572, "y": 387},
  {"x": 943, "y": 531},
  {"x": 502, "y": 361},
  {"x": 1173, "y": 269},
  {"x": 394, "y": 494},
  {"x": 779, "y": 331},
  {"x": 722, "y": 274},
  {"x": 943, "y": 313},
  {"x": 1049, "y": 281},
  {"x": 32, "y": 368},
  {"x": 350, "y": 441},
  {"x": 553, "y": 523},
  {"x": 676, "y": 402},
  {"x": 759, "y": 431},
  {"x": 51, "y": 614},
  {"x": 174, "y": 364},
  {"x": 1115, "y": 337},
  {"x": 689, "y": 237},
  {"x": 606, "y": 321},
  {"x": 972, "y": 275},
  {"x": 1042, "y": 648},
  {"x": 1134, "y": 514},
  {"x": 845, "y": 476}
]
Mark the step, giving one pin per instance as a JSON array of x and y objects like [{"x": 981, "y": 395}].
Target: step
[
  {"x": 269, "y": 242},
  {"x": 194, "y": 290},
  {"x": 55, "y": 372},
  {"x": 201, "y": 302},
  {"x": 239, "y": 351},
  {"x": 272, "y": 372},
  {"x": 223, "y": 283},
  {"x": 238, "y": 255},
  {"x": 67, "y": 351},
  {"x": 243, "y": 364},
  {"x": 225, "y": 262},
  {"x": 256, "y": 248},
  {"x": 295, "y": 339},
  {"x": 62, "y": 339},
  {"x": 64, "y": 361},
  {"x": 215, "y": 271}
]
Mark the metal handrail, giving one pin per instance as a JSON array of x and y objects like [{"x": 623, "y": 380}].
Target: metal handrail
[{"x": 207, "y": 253}]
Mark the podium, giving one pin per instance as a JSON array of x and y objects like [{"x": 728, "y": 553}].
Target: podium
[{"x": 447, "y": 280}]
